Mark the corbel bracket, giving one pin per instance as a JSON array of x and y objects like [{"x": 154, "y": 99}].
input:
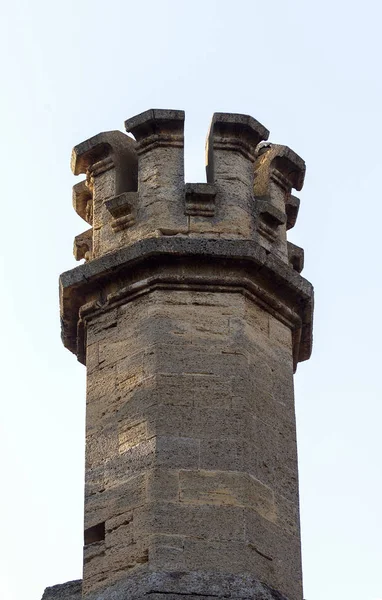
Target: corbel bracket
[
  {"x": 122, "y": 209},
  {"x": 270, "y": 218},
  {"x": 295, "y": 257},
  {"x": 278, "y": 164},
  {"x": 83, "y": 201},
  {"x": 292, "y": 206},
  {"x": 200, "y": 199},
  {"x": 83, "y": 245}
]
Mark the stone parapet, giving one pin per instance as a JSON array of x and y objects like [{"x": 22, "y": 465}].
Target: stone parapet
[{"x": 135, "y": 188}]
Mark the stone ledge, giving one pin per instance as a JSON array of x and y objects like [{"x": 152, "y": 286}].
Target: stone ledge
[
  {"x": 152, "y": 118},
  {"x": 174, "y": 261},
  {"x": 194, "y": 585},
  {"x": 71, "y": 590},
  {"x": 181, "y": 246},
  {"x": 203, "y": 586}
]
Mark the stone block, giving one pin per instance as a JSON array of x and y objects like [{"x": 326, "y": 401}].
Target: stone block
[
  {"x": 116, "y": 521},
  {"x": 91, "y": 357},
  {"x": 280, "y": 333},
  {"x": 102, "y": 444},
  {"x": 166, "y": 323},
  {"x": 222, "y": 488},
  {"x": 197, "y": 390},
  {"x": 283, "y": 389},
  {"x": 131, "y": 433},
  {"x": 199, "y": 423},
  {"x": 134, "y": 400},
  {"x": 101, "y": 384},
  {"x": 116, "y": 562},
  {"x": 167, "y": 552},
  {"x": 232, "y": 557},
  {"x": 178, "y": 359},
  {"x": 136, "y": 460},
  {"x": 288, "y": 515},
  {"x": 162, "y": 485},
  {"x": 205, "y": 522},
  {"x": 94, "y": 480},
  {"x": 131, "y": 370},
  {"x": 114, "y": 351},
  {"x": 266, "y": 464},
  {"x": 104, "y": 325},
  {"x": 221, "y": 454},
  {"x": 196, "y": 298},
  {"x": 121, "y": 536},
  {"x": 94, "y": 568},
  {"x": 177, "y": 452},
  {"x": 233, "y": 222},
  {"x": 273, "y": 413},
  {"x": 112, "y": 502},
  {"x": 281, "y": 548}
]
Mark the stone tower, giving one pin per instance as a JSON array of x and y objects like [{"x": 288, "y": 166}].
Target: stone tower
[{"x": 190, "y": 315}]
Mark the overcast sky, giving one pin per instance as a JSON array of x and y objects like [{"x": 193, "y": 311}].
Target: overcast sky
[{"x": 311, "y": 73}]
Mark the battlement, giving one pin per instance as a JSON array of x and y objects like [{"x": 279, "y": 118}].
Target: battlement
[
  {"x": 140, "y": 209},
  {"x": 135, "y": 188}
]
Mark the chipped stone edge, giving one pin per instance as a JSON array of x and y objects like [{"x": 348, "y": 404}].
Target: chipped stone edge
[{"x": 71, "y": 590}]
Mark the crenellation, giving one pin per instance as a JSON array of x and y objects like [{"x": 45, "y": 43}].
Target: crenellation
[
  {"x": 233, "y": 133},
  {"x": 161, "y": 187},
  {"x": 295, "y": 257},
  {"x": 292, "y": 206},
  {"x": 230, "y": 154},
  {"x": 140, "y": 190},
  {"x": 108, "y": 151},
  {"x": 277, "y": 165},
  {"x": 109, "y": 161},
  {"x": 277, "y": 170}
]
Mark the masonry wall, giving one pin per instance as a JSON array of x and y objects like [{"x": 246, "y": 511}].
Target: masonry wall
[
  {"x": 190, "y": 441},
  {"x": 191, "y": 316}
]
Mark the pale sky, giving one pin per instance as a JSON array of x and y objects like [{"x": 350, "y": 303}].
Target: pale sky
[{"x": 311, "y": 73}]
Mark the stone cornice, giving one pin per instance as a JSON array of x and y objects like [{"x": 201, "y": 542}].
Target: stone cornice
[
  {"x": 157, "y": 128},
  {"x": 233, "y": 133},
  {"x": 184, "y": 263}
]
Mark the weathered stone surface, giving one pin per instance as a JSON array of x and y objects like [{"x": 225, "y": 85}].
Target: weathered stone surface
[
  {"x": 184, "y": 419},
  {"x": 72, "y": 590},
  {"x": 160, "y": 146},
  {"x": 197, "y": 585},
  {"x": 243, "y": 265},
  {"x": 277, "y": 170},
  {"x": 173, "y": 585},
  {"x": 109, "y": 161},
  {"x": 191, "y": 317}
]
